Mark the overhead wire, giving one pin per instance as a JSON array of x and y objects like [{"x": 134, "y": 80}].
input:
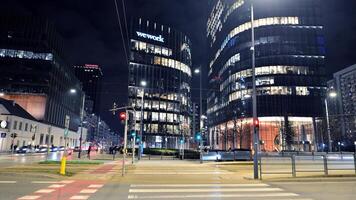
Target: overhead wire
[
  {"x": 125, "y": 19},
  {"x": 121, "y": 31}
]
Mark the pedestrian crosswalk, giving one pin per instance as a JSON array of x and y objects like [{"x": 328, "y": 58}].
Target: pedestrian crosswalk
[{"x": 211, "y": 191}]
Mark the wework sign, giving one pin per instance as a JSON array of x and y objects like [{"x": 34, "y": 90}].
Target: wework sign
[{"x": 151, "y": 37}]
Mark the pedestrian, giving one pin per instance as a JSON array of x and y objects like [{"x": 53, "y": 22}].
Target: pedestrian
[{"x": 89, "y": 149}]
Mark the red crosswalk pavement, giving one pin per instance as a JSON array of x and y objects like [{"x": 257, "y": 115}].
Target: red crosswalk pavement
[{"x": 66, "y": 190}]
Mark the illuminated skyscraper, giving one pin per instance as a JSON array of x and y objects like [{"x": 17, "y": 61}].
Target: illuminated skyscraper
[
  {"x": 290, "y": 54},
  {"x": 160, "y": 68}
]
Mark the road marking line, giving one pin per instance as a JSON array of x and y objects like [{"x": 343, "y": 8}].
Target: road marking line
[
  {"x": 45, "y": 182},
  {"x": 8, "y": 181},
  {"x": 187, "y": 190},
  {"x": 67, "y": 182},
  {"x": 88, "y": 191},
  {"x": 79, "y": 197},
  {"x": 201, "y": 185},
  {"x": 180, "y": 173},
  {"x": 45, "y": 191},
  {"x": 56, "y": 186},
  {"x": 95, "y": 186},
  {"x": 215, "y": 196},
  {"x": 29, "y": 197}
]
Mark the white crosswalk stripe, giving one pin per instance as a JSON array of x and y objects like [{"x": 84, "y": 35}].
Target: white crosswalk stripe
[
  {"x": 180, "y": 172},
  {"x": 210, "y": 191}
]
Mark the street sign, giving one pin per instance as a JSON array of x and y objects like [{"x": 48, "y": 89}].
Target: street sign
[
  {"x": 67, "y": 121},
  {"x": 3, "y": 135},
  {"x": 66, "y": 132},
  {"x": 3, "y": 124}
]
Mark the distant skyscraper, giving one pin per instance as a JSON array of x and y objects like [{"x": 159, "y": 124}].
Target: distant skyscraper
[
  {"x": 91, "y": 76},
  {"x": 290, "y": 78},
  {"x": 160, "y": 58},
  {"x": 34, "y": 72},
  {"x": 342, "y": 108}
]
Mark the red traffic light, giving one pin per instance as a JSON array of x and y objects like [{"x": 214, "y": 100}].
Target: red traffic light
[
  {"x": 122, "y": 116},
  {"x": 256, "y": 122}
]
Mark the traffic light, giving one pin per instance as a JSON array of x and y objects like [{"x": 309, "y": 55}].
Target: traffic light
[
  {"x": 133, "y": 133},
  {"x": 256, "y": 122},
  {"x": 181, "y": 141},
  {"x": 13, "y": 135},
  {"x": 198, "y": 136},
  {"x": 122, "y": 117}
]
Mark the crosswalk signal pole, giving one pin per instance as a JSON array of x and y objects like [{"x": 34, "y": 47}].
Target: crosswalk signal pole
[{"x": 125, "y": 143}]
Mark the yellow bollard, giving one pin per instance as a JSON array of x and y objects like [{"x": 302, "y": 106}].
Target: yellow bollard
[{"x": 63, "y": 165}]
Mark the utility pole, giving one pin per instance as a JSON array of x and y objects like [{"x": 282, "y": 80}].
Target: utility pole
[
  {"x": 113, "y": 110},
  {"x": 81, "y": 126},
  {"x": 254, "y": 99}
]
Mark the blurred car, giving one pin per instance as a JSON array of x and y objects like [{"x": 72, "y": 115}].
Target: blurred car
[
  {"x": 24, "y": 149},
  {"x": 41, "y": 150},
  {"x": 211, "y": 156},
  {"x": 76, "y": 149},
  {"x": 226, "y": 155},
  {"x": 61, "y": 148},
  {"x": 54, "y": 149}
]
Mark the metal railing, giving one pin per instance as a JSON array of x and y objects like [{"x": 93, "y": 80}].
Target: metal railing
[{"x": 318, "y": 163}]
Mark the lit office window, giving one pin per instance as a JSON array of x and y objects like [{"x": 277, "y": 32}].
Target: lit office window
[
  {"x": 11, "y": 53},
  {"x": 257, "y": 23},
  {"x": 162, "y": 117},
  {"x": 154, "y": 116},
  {"x": 273, "y": 90}
]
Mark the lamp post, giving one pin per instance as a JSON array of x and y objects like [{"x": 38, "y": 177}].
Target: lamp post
[
  {"x": 254, "y": 99},
  {"x": 198, "y": 71},
  {"x": 81, "y": 126},
  {"x": 332, "y": 95},
  {"x": 143, "y": 85}
]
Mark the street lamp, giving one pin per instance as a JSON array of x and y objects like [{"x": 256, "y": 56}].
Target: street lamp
[
  {"x": 2, "y": 94},
  {"x": 331, "y": 94},
  {"x": 143, "y": 84},
  {"x": 199, "y": 71},
  {"x": 73, "y": 91},
  {"x": 254, "y": 99}
]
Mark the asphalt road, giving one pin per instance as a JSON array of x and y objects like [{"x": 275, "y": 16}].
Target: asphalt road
[{"x": 23, "y": 159}]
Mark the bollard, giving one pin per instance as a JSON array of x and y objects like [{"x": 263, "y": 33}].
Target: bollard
[
  {"x": 260, "y": 167},
  {"x": 294, "y": 174},
  {"x": 326, "y": 172},
  {"x": 63, "y": 165}
]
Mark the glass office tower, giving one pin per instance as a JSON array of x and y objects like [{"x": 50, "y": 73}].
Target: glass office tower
[
  {"x": 160, "y": 70},
  {"x": 290, "y": 54}
]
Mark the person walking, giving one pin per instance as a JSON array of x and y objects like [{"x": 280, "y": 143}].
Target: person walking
[{"x": 89, "y": 149}]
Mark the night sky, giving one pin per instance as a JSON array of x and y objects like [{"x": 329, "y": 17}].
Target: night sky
[{"x": 91, "y": 34}]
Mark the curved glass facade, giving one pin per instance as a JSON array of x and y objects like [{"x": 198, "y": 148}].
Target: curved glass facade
[
  {"x": 161, "y": 57},
  {"x": 290, "y": 54}
]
